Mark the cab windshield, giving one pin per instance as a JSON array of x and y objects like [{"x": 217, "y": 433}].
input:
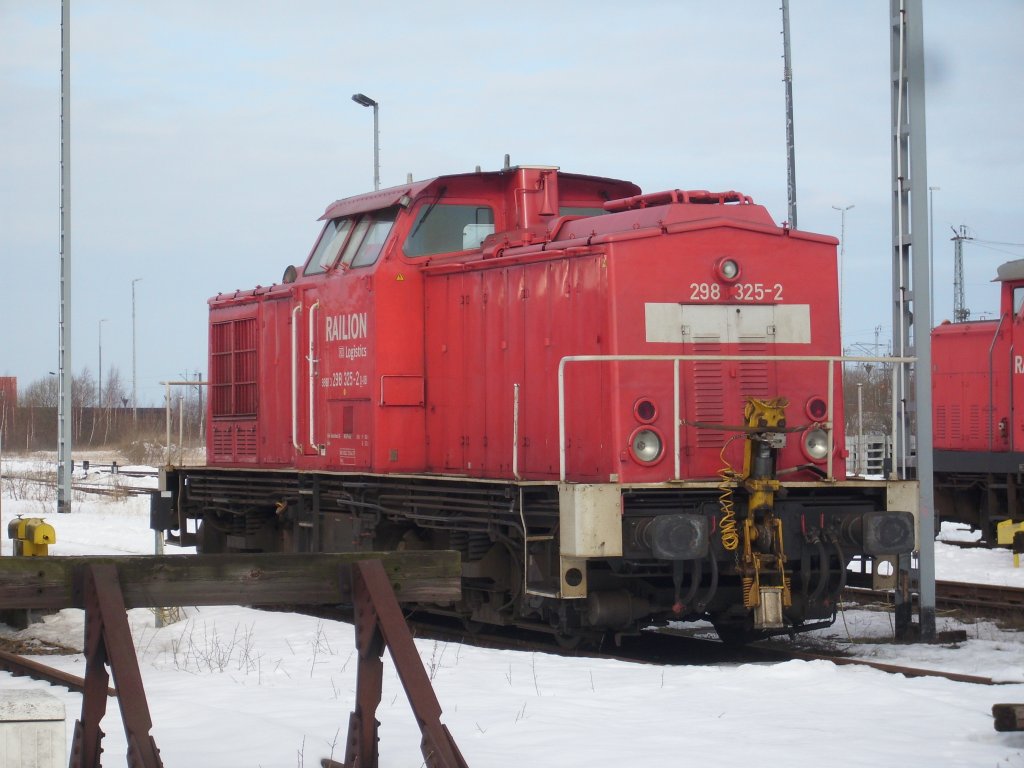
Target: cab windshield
[{"x": 327, "y": 249}]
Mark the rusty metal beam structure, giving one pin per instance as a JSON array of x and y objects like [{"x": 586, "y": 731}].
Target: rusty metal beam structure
[
  {"x": 105, "y": 587},
  {"x": 108, "y": 640},
  {"x": 379, "y": 624},
  {"x": 19, "y": 666}
]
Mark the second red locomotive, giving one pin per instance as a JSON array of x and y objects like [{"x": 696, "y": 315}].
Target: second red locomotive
[
  {"x": 977, "y": 388},
  {"x": 622, "y": 409}
]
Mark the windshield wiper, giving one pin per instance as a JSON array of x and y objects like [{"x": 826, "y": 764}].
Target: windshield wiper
[{"x": 428, "y": 211}]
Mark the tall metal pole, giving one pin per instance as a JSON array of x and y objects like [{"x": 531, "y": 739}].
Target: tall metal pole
[
  {"x": 842, "y": 253},
  {"x": 960, "y": 310},
  {"x": 376, "y": 147},
  {"x": 99, "y": 388},
  {"x": 135, "y": 397},
  {"x": 931, "y": 250},
  {"x": 365, "y": 101},
  {"x": 911, "y": 295},
  {"x": 64, "y": 322},
  {"x": 861, "y": 452},
  {"x": 787, "y": 77}
]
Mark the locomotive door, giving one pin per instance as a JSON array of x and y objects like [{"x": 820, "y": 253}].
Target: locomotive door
[{"x": 306, "y": 398}]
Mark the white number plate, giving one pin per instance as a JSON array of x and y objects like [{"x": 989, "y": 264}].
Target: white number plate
[{"x": 752, "y": 292}]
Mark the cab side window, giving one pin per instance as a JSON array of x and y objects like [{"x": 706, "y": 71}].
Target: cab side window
[
  {"x": 1018, "y": 300},
  {"x": 444, "y": 228}
]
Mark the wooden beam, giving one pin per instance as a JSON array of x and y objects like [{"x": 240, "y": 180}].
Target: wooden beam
[
  {"x": 1008, "y": 717},
  {"x": 147, "y": 581}
]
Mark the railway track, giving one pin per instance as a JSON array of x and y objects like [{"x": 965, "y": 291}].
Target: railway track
[
  {"x": 667, "y": 646},
  {"x": 983, "y": 599},
  {"x": 678, "y": 648},
  {"x": 122, "y": 488}
]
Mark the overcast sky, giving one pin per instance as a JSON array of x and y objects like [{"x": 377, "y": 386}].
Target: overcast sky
[{"x": 208, "y": 137}]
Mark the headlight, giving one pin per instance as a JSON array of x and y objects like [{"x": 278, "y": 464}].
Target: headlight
[
  {"x": 816, "y": 444},
  {"x": 645, "y": 445},
  {"x": 728, "y": 269}
]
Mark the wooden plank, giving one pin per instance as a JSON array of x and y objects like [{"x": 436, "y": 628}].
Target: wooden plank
[
  {"x": 1008, "y": 717},
  {"x": 52, "y": 583}
]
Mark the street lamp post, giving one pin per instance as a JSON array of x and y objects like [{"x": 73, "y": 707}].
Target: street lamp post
[
  {"x": 842, "y": 253},
  {"x": 366, "y": 101},
  {"x": 135, "y": 399},
  {"x": 99, "y": 386}
]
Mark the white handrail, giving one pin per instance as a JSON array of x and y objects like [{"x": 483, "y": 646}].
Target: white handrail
[
  {"x": 312, "y": 372},
  {"x": 676, "y": 359},
  {"x": 515, "y": 431},
  {"x": 295, "y": 377}
]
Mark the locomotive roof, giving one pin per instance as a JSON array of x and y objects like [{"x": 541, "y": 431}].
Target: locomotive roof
[
  {"x": 386, "y": 198},
  {"x": 1011, "y": 270}
]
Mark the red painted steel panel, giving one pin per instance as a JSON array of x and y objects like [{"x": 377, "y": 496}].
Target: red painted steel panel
[
  {"x": 415, "y": 360},
  {"x": 963, "y": 356}
]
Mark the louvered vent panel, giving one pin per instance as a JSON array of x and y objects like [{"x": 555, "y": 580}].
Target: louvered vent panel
[
  {"x": 707, "y": 396},
  {"x": 941, "y": 423},
  {"x": 754, "y": 373},
  {"x": 223, "y": 444},
  {"x": 245, "y": 442},
  {"x": 974, "y": 423},
  {"x": 955, "y": 431}
]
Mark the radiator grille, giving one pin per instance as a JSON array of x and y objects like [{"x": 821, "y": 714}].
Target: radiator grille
[{"x": 233, "y": 367}]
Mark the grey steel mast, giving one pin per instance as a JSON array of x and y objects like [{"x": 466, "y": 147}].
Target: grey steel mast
[
  {"x": 64, "y": 464},
  {"x": 960, "y": 311},
  {"x": 911, "y": 294},
  {"x": 787, "y": 77}
]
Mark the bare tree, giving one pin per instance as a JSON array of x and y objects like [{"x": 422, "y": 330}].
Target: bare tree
[
  {"x": 876, "y": 398},
  {"x": 41, "y": 393},
  {"x": 115, "y": 400},
  {"x": 83, "y": 392}
]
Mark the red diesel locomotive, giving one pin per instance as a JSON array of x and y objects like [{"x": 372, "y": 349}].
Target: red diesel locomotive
[
  {"x": 622, "y": 409},
  {"x": 977, "y": 387}
]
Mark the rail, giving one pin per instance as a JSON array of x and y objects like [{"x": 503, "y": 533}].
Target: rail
[{"x": 829, "y": 360}]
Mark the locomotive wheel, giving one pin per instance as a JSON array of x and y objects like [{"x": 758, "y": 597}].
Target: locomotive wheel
[
  {"x": 210, "y": 540},
  {"x": 736, "y": 633},
  {"x": 472, "y": 627},
  {"x": 568, "y": 642}
]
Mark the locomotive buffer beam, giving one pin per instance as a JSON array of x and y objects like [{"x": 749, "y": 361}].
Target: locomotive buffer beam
[{"x": 106, "y": 587}]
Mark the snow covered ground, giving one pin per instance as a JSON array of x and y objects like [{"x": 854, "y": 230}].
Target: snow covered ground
[{"x": 230, "y": 686}]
